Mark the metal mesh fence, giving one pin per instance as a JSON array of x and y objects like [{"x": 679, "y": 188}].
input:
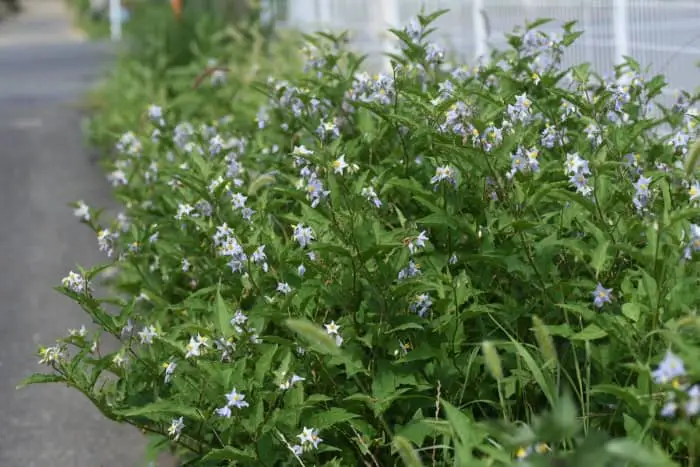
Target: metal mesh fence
[{"x": 661, "y": 34}]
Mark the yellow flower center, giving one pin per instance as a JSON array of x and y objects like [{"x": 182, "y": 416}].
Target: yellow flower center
[{"x": 541, "y": 448}]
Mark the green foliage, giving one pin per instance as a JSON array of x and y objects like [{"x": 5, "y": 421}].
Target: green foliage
[{"x": 439, "y": 265}]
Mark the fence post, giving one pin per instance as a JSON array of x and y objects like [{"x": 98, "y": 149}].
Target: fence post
[
  {"x": 479, "y": 28},
  {"x": 390, "y": 19},
  {"x": 303, "y": 14},
  {"x": 115, "y": 19},
  {"x": 324, "y": 13},
  {"x": 620, "y": 25}
]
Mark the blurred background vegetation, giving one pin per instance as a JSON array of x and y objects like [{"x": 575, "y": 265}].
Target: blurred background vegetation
[
  {"x": 93, "y": 15},
  {"x": 162, "y": 53}
]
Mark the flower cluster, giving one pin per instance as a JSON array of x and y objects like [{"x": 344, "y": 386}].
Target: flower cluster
[
  {"x": 682, "y": 397},
  {"x": 393, "y": 219}
]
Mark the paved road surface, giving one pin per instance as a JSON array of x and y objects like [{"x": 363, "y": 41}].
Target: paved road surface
[{"x": 44, "y": 68}]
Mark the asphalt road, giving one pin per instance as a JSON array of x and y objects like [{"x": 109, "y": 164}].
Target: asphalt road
[{"x": 44, "y": 69}]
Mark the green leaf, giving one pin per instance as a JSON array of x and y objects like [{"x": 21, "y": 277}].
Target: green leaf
[
  {"x": 467, "y": 434},
  {"x": 623, "y": 394},
  {"x": 543, "y": 191},
  {"x": 201, "y": 164},
  {"x": 537, "y": 23},
  {"x": 583, "y": 310},
  {"x": 229, "y": 453},
  {"x": 330, "y": 417},
  {"x": 336, "y": 199},
  {"x": 570, "y": 38},
  {"x": 360, "y": 397},
  {"x": 416, "y": 431},
  {"x": 599, "y": 256},
  {"x": 589, "y": 333},
  {"x": 565, "y": 195},
  {"x": 318, "y": 339},
  {"x": 544, "y": 381},
  {"x": 632, "y": 451},
  {"x": 405, "y": 327},
  {"x": 384, "y": 383},
  {"x": 159, "y": 410},
  {"x": 691, "y": 161},
  {"x": 317, "y": 398},
  {"x": 223, "y": 317},
  {"x": 334, "y": 250},
  {"x": 438, "y": 219},
  {"x": 687, "y": 213},
  {"x": 408, "y": 454},
  {"x": 410, "y": 185},
  {"x": 632, "y": 428},
  {"x": 631, "y": 311},
  {"x": 562, "y": 421},
  {"x": 651, "y": 288},
  {"x": 39, "y": 378},
  {"x": 402, "y": 218},
  {"x": 263, "y": 365}
]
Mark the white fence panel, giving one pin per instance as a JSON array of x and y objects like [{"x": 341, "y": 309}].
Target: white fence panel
[{"x": 661, "y": 34}]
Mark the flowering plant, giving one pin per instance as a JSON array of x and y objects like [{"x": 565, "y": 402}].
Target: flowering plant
[{"x": 377, "y": 266}]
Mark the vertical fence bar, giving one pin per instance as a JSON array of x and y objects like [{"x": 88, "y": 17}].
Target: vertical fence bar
[
  {"x": 324, "y": 13},
  {"x": 621, "y": 26},
  {"x": 479, "y": 28},
  {"x": 587, "y": 25},
  {"x": 115, "y": 19},
  {"x": 389, "y": 17},
  {"x": 303, "y": 14}
]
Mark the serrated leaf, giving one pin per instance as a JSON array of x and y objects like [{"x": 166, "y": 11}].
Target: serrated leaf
[{"x": 40, "y": 378}]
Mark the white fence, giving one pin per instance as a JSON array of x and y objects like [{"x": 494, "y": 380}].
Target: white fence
[{"x": 661, "y": 34}]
